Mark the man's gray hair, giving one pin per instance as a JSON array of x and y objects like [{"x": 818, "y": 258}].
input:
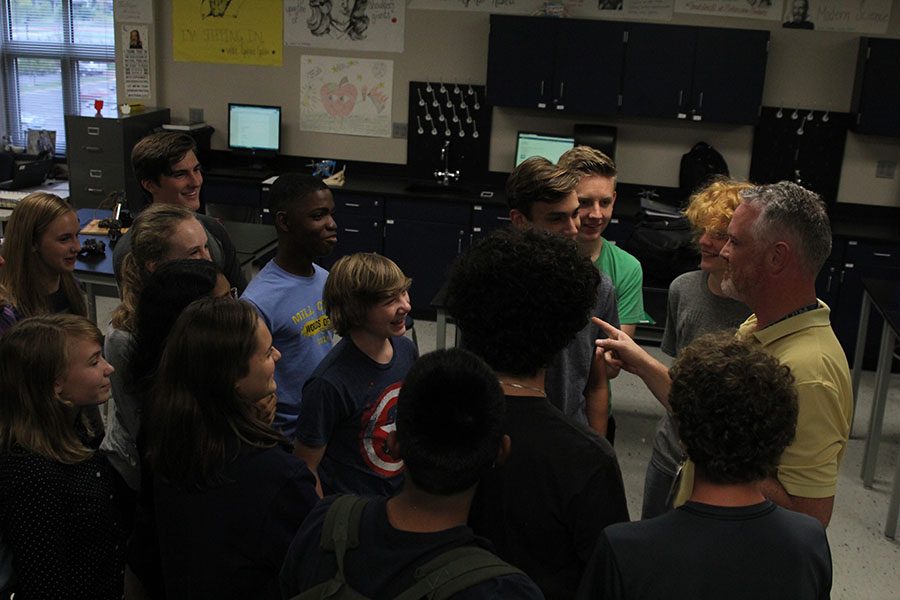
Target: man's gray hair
[{"x": 790, "y": 210}]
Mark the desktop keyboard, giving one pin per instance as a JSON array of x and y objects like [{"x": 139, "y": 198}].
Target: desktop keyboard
[{"x": 9, "y": 199}]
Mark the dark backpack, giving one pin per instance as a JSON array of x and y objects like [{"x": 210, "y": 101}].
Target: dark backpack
[
  {"x": 664, "y": 244},
  {"x": 698, "y": 166},
  {"x": 438, "y": 579}
]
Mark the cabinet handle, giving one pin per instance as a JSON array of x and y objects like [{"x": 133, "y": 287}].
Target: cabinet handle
[
  {"x": 881, "y": 254},
  {"x": 389, "y": 221},
  {"x": 93, "y": 131},
  {"x": 680, "y": 98},
  {"x": 348, "y": 230},
  {"x": 92, "y": 148},
  {"x": 562, "y": 85},
  {"x": 95, "y": 190},
  {"x": 542, "y": 88},
  {"x": 352, "y": 204},
  {"x": 700, "y": 104},
  {"x": 96, "y": 173},
  {"x": 504, "y": 219},
  {"x": 828, "y": 283}
]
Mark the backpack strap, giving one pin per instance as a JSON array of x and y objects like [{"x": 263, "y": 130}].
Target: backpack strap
[
  {"x": 454, "y": 571},
  {"x": 340, "y": 532}
]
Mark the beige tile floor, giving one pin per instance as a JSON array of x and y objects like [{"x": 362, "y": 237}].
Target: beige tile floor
[{"x": 866, "y": 564}]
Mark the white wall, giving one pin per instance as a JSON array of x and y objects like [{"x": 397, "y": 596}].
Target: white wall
[{"x": 806, "y": 69}]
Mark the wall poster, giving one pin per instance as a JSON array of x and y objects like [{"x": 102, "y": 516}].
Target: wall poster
[
  {"x": 244, "y": 32},
  {"x": 345, "y": 95},
  {"x": 860, "y": 16},
  {"x": 136, "y": 60},
  {"x": 747, "y": 9},
  {"x": 364, "y": 25},
  {"x": 133, "y": 11}
]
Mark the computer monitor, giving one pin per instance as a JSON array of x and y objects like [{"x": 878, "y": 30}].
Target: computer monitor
[
  {"x": 550, "y": 147},
  {"x": 254, "y": 129}
]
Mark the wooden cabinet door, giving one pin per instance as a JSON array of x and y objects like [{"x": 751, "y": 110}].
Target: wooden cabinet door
[
  {"x": 521, "y": 53},
  {"x": 729, "y": 73},
  {"x": 588, "y": 71},
  {"x": 658, "y": 66},
  {"x": 876, "y": 91}
]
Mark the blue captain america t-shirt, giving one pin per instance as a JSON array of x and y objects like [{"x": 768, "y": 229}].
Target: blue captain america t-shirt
[{"x": 350, "y": 406}]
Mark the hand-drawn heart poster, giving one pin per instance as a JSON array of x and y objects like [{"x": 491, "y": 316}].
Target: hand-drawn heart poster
[{"x": 346, "y": 95}]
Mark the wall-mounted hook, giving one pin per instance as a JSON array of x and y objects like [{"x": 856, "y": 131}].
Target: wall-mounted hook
[
  {"x": 779, "y": 114},
  {"x": 825, "y": 117},
  {"x": 421, "y": 99},
  {"x": 476, "y": 105},
  {"x": 442, "y": 89},
  {"x": 796, "y": 114},
  {"x": 428, "y": 87},
  {"x": 420, "y": 131},
  {"x": 809, "y": 115},
  {"x": 434, "y": 100},
  {"x": 474, "y": 130}
]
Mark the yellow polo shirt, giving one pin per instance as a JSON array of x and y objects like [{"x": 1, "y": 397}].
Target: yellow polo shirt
[{"x": 805, "y": 343}]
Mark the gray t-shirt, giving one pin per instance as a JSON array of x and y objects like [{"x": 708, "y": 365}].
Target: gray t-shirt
[
  {"x": 567, "y": 374},
  {"x": 692, "y": 311}
]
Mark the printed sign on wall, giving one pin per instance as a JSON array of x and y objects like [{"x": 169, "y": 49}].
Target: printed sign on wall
[
  {"x": 228, "y": 31},
  {"x": 346, "y": 95},
  {"x": 747, "y": 9}
]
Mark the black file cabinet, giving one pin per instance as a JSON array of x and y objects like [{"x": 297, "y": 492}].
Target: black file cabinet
[{"x": 99, "y": 155}]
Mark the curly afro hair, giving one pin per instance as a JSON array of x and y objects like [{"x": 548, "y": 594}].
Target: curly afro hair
[
  {"x": 736, "y": 408},
  {"x": 520, "y": 296}
]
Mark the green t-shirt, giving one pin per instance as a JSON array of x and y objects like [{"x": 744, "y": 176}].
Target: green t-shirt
[{"x": 628, "y": 279}]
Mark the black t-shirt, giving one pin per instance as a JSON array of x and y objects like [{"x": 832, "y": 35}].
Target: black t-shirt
[
  {"x": 383, "y": 564},
  {"x": 709, "y": 552},
  {"x": 229, "y": 540},
  {"x": 545, "y": 507}
]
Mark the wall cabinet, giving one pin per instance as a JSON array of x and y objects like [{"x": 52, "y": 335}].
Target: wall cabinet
[
  {"x": 566, "y": 65},
  {"x": 636, "y": 69},
  {"x": 876, "y": 89},
  {"x": 360, "y": 222},
  {"x": 694, "y": 73}
]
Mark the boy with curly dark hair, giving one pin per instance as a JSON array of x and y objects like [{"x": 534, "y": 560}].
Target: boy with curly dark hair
[
  {"x": 519, "y": 297},
  {"x": 736, "y": 408}
]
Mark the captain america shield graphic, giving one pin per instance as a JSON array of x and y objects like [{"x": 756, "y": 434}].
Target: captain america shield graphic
[{"x": 378, "y": 420}]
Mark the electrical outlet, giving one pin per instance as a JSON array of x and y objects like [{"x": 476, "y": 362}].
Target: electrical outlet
[
  {"x": 195, "y": 115},
  {"x": 886, "y": 169},
  {"x": 399, "y": 130}
]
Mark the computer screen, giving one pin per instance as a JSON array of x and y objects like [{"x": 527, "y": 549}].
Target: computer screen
[
  {"x": 550, "y": 147},
  {"x": 254, "y": 128}
]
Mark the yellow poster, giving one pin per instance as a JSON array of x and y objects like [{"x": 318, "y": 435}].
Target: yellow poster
[{"x": 246, "y": 32}]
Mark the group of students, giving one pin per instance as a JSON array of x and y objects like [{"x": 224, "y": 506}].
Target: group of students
[{"x": 230, "y": 418}]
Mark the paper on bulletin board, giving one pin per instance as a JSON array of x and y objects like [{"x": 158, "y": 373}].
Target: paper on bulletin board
[
  {"x": 647, "y": 10},
  {"x": 518, "y": 7},
  {"x": 133, "y": 11},
  {"x": 858, "y": 16},
  {"x": 746, "y": 9},
  {"x": 135, "y": 60},
  {"x": 345, "y": 95},
  {"x": 373, "y": 25},
  {"x": 247, "y": 32}
]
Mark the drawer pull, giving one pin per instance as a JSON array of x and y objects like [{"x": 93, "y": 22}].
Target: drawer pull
[
  {"x": 504, "y": 219},
  {"x": 348, "y": 230},
  {"x": 93, "y": 131},
  {"x": 352, "y": 204},
  {"x": 389, "y": 221},
  {"x": 95, "y": 190},
  {"x": 881, "y": 254},
  {"x": 92, "y": 148},
  {"x": 96, "y": 173}
]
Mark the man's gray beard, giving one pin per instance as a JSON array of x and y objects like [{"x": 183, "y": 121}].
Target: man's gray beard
[{"x": 729, "y": 290}]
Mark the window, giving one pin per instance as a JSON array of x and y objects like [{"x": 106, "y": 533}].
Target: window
[{"x": 57, "y": 58}]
